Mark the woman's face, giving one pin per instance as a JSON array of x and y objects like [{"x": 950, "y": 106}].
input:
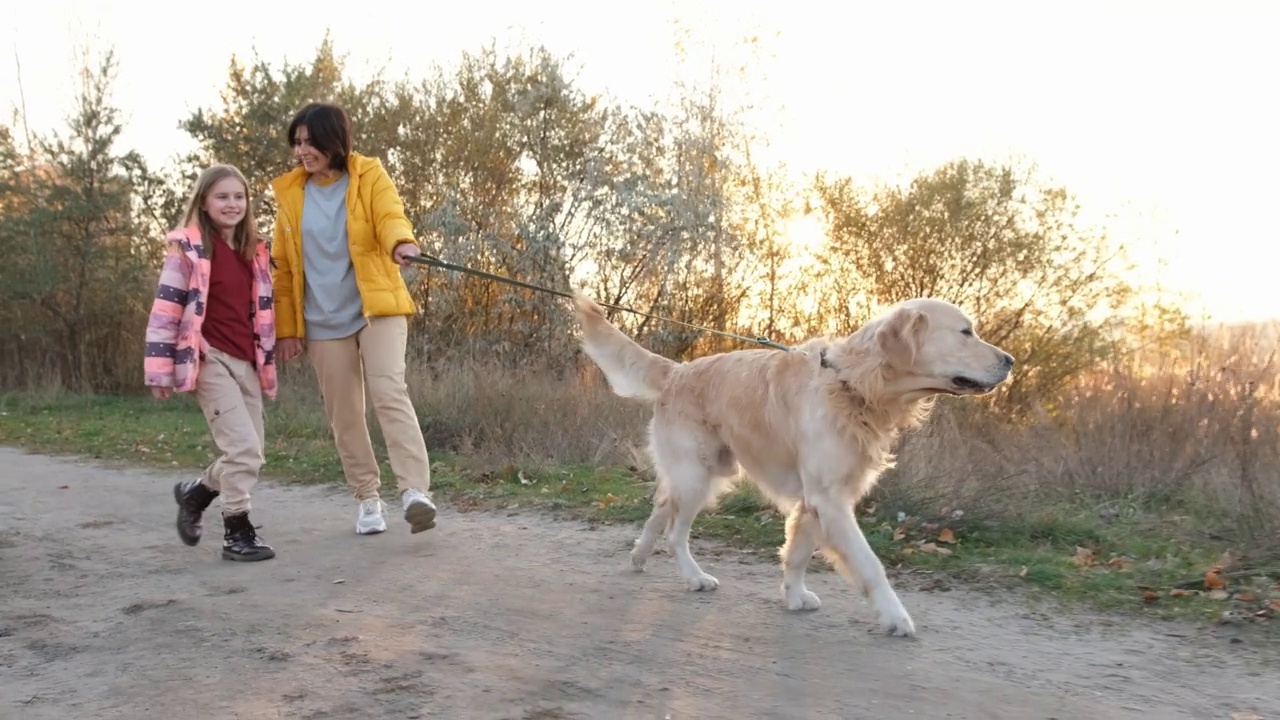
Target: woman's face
[
  {"x": 313, "y": 161},
  {"x": 226, "y": 204}
]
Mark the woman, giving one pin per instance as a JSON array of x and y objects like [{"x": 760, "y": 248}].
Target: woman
[
  {"x": 212, "y": 332},
  {"x": 341, "y": 237}
]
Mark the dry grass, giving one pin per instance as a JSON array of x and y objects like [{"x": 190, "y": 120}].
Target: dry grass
[{"x": 496, "y": 414}]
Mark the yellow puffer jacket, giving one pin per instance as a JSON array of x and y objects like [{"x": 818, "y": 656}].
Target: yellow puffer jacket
[{"x": 376, "y": 224}]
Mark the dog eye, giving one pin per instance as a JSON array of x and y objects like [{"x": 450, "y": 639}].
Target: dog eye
[{"x": 967, "y": 332}]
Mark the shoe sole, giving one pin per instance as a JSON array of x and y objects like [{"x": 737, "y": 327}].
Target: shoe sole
[
  {"x": 420, "y": 517},
  {"x": 371, "y": 531},
  {"x": 188, "y": 541},
  {"x": 264, "y": 555}
]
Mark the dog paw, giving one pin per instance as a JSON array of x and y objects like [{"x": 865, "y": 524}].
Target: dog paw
[
  {"x": 894, "y": 619},
  {"x": 637, "y": 562},
  {"x": 702, "y": 583},
  {"x": 803, "y": 600},
  {"x": 897, "y": 623}
]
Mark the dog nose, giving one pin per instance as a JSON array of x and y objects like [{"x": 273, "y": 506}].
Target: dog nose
[{"x": 1008, "y": 360}]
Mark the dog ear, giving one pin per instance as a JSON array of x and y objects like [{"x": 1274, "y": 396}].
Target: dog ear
[{"x": 901, "y": 335}]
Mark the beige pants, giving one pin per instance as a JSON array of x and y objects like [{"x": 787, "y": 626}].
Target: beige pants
[
  {"x": 373, "y": 357},
  {"x": 229, "y": 394}
]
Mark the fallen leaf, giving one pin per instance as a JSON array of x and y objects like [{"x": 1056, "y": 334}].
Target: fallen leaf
[
  {"x": 339, "y": 581},
  {"x": 908, "y": 551},
  {"x": 63, "y": 487},
  {"x": 1218, "y": 594},
  {"x": 1023, "y": 571},
  {"x": 900, "y": 533},
  {"x": 1245, "y": 596},
  {"x": 1083, "y": 556},
  {"x": 524, "y": 480},
  {"x": 944, "y": 550},
  {"x": 946, "y": 536},
  {"x": 1149, "y": 597},
  {"x": 1183, "y": 593},
  {"x": 929, "y": 547},
  {"x": 1213, "y": 580},
  {"x": 1117, "y": 561},
  {"x": 1274, "y": 604},
  {"x": 608, "y": 500}
]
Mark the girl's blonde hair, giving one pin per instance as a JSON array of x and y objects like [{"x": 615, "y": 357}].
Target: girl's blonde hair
[{"x": 245, "y": 237}]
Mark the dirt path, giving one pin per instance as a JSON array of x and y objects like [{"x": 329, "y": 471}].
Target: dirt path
[{"x": 104, "y": 614}]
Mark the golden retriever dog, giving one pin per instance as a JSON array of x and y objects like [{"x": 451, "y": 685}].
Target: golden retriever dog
[{"x": 813, "y": 428}]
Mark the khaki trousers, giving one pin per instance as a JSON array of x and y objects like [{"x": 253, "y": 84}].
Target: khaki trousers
[
  {"x": 373, "y": 357},
  {"x": 230, "y": 395}
]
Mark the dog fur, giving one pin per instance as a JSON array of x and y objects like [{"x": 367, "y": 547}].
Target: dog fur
[{"x": 812, "y": 428}]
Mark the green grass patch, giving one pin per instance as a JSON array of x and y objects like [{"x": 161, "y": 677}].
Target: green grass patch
[
  {"x": 1140, "y": 563},
  {"x": 1140, "y": 566},
  {"x": 147, "y": 432}
]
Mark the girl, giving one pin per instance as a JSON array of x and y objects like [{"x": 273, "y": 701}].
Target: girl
[{"x": 212, "y": 332}]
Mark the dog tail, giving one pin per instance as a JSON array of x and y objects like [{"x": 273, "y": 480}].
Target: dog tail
[{"x": 631, "y": 370}]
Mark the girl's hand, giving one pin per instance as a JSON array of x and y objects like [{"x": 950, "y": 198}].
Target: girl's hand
[
  {"x": 160, "y": 393},
  {"x": 289, "y": 348}
]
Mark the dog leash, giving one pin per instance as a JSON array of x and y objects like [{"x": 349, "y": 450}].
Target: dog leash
[{"x": 444, "y": 265}]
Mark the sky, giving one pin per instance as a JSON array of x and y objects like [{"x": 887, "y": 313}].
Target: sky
[{"x": 1159, "y": 116}]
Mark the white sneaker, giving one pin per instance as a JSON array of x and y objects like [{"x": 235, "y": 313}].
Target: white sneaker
[
  {"x": 419, "y": 511},
  {"x": 370, "y": 519}
]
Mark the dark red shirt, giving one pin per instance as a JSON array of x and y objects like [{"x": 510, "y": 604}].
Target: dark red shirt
[{"x": 228, "y": 311}]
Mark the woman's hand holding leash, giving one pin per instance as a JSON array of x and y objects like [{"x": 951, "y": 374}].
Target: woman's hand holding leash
[{"x": 404, "y": 251}]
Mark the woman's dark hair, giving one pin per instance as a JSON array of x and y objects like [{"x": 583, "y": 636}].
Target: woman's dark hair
[{"x": 328, "y": 130}]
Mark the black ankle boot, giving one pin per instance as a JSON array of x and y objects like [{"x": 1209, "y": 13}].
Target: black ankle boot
[
  {"x": 240, "y": 542},
  {"x": 193, "y": 498}
]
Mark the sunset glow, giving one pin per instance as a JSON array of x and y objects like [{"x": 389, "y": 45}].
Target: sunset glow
[{"x": 1157, "y": 115}]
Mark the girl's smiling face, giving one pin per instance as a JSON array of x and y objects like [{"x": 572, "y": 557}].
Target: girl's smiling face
[{"x": 226, "y": 204}]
